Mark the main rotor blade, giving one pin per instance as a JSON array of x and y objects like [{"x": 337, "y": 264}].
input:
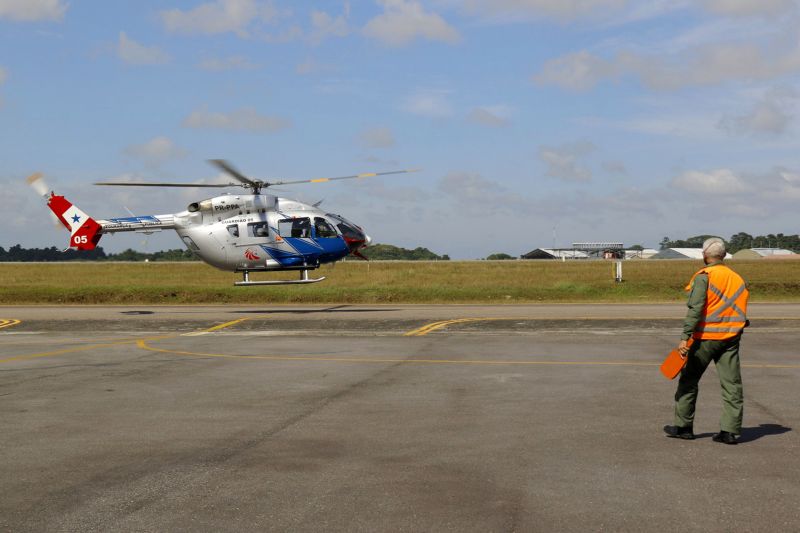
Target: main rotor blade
[
  {"x": 228, "y": 168},
  {"x": 364, "y": 175},
  {"x": 148, "y": 184}
]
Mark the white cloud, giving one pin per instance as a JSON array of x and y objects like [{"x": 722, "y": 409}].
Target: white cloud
[
  {"x": 220, "y": 16},
  {"x": 720, "y": 182},
  {"x": 244, "y": 119},
  {"x": 578, "y": 71},
  {"x": 694, "y": 125},
  {"x": 379, "y": 137},
  {"x": 156, "y": 151},
  {"x": 559, "y": 9},
  {"x": 492, "y": 116},
  {"x": 473, "y": 193},
  {"x": 134, "y": 53},
  {"x": 403, "y": 21},
  {"x": 32, "y": 10},
  {"x": 324, "y": 25},
  {"x": 771, "y": 114},
  {"x": 616, "y": 168},
  {"x": 744, "y": 8},
  {"x": 429, "y": 103},
  {"x": 227, "y": 63},
  {"x": 312, "y": 66},
  {"x": 696, "y": 67},
  {"x": 563, "y": 162}
]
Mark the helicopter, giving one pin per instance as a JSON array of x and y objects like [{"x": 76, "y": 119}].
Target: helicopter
[{"x": 249, "y": 232}]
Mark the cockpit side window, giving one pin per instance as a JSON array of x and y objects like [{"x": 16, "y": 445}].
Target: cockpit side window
[
  {"x": 295, "y": 227},
  {"x": 233, "y": 230},
  {"x": 257, "y": 229},
  {"x": 323, "y": 229}
]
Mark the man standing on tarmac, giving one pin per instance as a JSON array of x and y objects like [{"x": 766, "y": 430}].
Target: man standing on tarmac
[{"x": 715, "y": 321}]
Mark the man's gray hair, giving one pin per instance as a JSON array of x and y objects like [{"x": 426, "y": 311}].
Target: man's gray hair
[{"x": 714, "y": 247}]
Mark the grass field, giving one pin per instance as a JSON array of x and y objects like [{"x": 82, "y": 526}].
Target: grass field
[{"x": 382, "y": 282}]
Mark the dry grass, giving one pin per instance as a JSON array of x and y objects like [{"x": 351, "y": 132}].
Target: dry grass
[{"x": 378, "y": 282}]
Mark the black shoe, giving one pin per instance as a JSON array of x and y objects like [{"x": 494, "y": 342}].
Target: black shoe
[
  {"x": 725, "y": 437},
  {"x": 678, "y": 432}
]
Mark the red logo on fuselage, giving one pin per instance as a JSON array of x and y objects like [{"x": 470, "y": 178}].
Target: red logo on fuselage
[{"x": 250, "y": 255}]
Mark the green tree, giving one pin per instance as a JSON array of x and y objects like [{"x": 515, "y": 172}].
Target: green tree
[
  {"x": 387, "y": 252},
  {"x": 499, "y": 257}
]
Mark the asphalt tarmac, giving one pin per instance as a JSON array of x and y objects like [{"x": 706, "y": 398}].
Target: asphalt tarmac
[{"x": 384, "y": 418}]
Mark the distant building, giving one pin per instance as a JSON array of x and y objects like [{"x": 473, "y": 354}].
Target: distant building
[
  {"x": 601, "y": 249},
  {"x": 682, "y": 253},
  {"x": 555, "y": 253},
  {"x": 647, "y": 253},
  {"x": 764, "y": 253}
]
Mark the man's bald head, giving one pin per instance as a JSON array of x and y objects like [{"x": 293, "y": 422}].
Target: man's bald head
[{"x": 714, "y": 249}]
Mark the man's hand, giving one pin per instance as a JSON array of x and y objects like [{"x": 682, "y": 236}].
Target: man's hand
[{"x": 683, "y": 348}]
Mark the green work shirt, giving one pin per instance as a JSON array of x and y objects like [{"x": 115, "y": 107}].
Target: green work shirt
[{"x": 696, "y": 303}]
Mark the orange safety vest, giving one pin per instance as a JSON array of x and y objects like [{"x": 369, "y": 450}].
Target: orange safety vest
[{"x": 725, "y": 312}]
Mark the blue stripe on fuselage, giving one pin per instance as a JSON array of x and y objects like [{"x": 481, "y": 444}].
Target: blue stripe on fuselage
[{"x": 318, "y": 250}]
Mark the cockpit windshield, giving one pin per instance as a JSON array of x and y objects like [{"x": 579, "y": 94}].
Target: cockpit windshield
[
  {"x": 323, "y": 229},
  {"x": 348, "y": 229}
]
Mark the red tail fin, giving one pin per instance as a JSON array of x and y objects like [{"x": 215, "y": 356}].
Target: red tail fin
[{"x": 85, "y": 232}]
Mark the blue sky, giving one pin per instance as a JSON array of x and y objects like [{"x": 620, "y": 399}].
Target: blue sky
[{"x": 588, "y": 119}]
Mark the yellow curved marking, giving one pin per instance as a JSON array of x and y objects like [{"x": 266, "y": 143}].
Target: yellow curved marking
[
  {"x": 143, "y": 345},
  {"x": 8, "y": 322},
  {"x": 120, "y": 342},
  {"x": 78, "y": 349}
]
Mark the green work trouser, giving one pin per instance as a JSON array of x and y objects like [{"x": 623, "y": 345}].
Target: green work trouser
[{"x": 725, "y": 355}]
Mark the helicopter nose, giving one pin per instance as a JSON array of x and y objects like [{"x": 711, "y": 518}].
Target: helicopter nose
[{"x": 367, "y": 240}]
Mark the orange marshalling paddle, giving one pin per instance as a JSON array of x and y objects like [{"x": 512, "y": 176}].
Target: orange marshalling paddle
[{"x": 674, "y": 363}]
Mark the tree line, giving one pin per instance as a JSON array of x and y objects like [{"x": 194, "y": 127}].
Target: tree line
[
  {"x": 18, "y": 253},
  {"x": 378, "y": 252},
  {"x": 739, "y": 241}
]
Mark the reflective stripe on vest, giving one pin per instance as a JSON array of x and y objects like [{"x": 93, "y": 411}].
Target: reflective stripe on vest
[{"x": 725, "y": 312}]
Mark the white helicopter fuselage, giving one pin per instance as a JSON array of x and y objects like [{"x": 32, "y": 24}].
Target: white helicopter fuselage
[{"x": 254, "y": 232}]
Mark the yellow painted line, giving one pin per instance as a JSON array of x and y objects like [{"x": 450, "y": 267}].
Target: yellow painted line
[
  {"x": 367, "y": 175},
  {"x": 433, "y": 326},
  {"x": 75, "y": 349},
  {"x": 320, "y": 180},
  {"x": 143, "y": 345},
  {"x": 225, "y": 325},
  {"x": 424, "y": 330},
  {"x": 8, "y": 322}
]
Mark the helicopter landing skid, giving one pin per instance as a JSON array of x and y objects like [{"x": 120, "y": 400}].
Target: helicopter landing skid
[{"x": 304, "y": 279}]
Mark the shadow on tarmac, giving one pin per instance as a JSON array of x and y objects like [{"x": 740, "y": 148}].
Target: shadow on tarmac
[
  {"x": 764, "y": 430},
  {"x": 754, "y": 433}
]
